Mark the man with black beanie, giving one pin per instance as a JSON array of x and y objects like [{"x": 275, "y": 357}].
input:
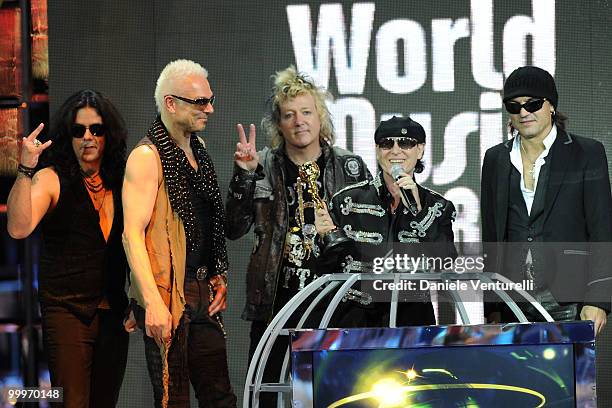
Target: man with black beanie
[{"x": 545, "y": 195}]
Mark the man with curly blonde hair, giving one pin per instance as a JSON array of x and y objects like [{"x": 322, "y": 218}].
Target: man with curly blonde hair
[
  {"x": 289, "y": 84},
  {"x": 265, "y": 193}
]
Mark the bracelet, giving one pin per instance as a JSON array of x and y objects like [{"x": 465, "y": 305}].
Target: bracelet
[
  {"x": 217, "y": 284},
  {"x": 26, "y": 171},
  {"x": 223, "y": 277}
]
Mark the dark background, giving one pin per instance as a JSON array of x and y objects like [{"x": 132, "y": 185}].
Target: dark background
[{"x": 119, "y": 48}]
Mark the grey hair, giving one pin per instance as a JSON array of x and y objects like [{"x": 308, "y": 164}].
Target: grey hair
[{"x": 175, "y": 70}]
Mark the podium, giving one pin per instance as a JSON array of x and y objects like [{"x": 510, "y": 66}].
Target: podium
[
  {"x": 518, "y": 364},
  {"x": 513, "y": 365}
]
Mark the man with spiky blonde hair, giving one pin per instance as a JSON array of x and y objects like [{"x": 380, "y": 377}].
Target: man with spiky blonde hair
[
  {"x": 266, "y": 193},
  {"x": 290, "y": 84}
]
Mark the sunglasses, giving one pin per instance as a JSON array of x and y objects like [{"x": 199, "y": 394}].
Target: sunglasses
[
  {"x": 97, "y": 129},
  {"x": 404, "y": 143},
  {"x": 199, "y": 101},
  {"x": 530, "y": 106}
]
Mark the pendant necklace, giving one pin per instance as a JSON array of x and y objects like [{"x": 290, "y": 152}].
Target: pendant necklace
[
  {"x": 95, "y": 199},
  {"x": 532, "y": 162},
  {"x": 94, "y": 186}
]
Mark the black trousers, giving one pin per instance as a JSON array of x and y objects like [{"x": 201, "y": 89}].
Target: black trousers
[
  {"x": 197, "y": 354},
  {"x": 86, "y": 359}
]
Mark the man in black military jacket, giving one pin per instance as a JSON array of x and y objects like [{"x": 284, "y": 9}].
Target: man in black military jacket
[{"x": 385, "y": 214}]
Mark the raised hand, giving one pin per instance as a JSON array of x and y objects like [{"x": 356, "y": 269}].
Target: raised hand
[
  {"x": 32, "y": 148},
  {"x": 246, "y": 156}
]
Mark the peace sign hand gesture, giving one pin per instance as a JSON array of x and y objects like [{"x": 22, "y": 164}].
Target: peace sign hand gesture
[
  {"x": 32, "y": 148},
  {"x": 246, "y": 156}
]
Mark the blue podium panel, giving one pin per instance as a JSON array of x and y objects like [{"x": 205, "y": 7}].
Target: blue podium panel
[{"x": 512, "y": 365}]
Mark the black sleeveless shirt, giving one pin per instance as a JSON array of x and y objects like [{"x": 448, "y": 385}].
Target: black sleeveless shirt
[
  {"x": 77, "y": 266},
  {"x": 196, "y": 258}
]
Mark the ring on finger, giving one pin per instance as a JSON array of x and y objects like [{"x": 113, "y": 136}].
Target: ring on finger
[{"x": 37, "y": 143}]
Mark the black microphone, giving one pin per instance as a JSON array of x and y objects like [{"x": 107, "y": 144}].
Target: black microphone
[{"x": 408, "y": 198}]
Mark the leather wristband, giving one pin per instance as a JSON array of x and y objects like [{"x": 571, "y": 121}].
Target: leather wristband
[{"x": 26, "y": 171}]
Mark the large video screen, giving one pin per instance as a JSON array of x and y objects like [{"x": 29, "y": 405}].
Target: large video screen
[
  {"x": 491, "y": 376},
  {"x": 512, "y": 365}
]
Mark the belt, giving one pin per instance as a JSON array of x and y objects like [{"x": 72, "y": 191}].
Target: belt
[{"x": 198, "y": 274}]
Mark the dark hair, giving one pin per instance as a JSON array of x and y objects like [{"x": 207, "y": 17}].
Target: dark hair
[
  {"x": 419, "y": 166},
  {"x": 560, "y": 119},
  {"x": 60, "y": 154}
]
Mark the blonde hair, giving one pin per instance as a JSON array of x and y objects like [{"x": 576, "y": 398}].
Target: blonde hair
[
  {"x": 171, "y": 72},
  {"x": 288, "y": 84}
]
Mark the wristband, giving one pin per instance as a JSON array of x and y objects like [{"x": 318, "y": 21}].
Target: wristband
[{"x": 26, "y": 171}]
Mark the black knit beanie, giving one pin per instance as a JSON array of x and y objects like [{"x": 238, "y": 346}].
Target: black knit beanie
[{"x": 531, "y": 81}]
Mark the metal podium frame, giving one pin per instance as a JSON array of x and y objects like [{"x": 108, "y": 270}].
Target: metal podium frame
[{"x": 342, "y": 283}]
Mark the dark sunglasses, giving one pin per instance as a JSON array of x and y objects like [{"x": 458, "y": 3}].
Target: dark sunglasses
[
  {"x": 404, "y": 143},
  {"x": 200, "y": 101},
  {"x": 532, "y": 105},
  {"x": 97, "y": 129}
]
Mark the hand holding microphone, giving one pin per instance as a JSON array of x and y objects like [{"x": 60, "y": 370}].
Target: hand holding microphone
[{"x": 407, "y": 187}]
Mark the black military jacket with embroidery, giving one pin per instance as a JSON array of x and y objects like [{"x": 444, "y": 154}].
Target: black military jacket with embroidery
[
  {"x": 363, "y": 212},
  {"x": 259, "y": 199}
]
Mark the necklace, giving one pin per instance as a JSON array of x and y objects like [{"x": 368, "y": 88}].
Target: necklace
[
  {"x": 93, "y": 182},
  {"x": 532, "y": 162},
  {"x": 95, "y": 199},
  {"x": 94, "y": 186}
]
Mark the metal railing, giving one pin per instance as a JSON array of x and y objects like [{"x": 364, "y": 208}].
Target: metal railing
[{"x": 325, "y": 285}]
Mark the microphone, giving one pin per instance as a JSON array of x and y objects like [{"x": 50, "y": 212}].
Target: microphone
[{"x": 407, "y": 197}]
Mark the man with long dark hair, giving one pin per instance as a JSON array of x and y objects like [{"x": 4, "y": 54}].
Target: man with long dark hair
[{"x": 71, "y": 185}]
